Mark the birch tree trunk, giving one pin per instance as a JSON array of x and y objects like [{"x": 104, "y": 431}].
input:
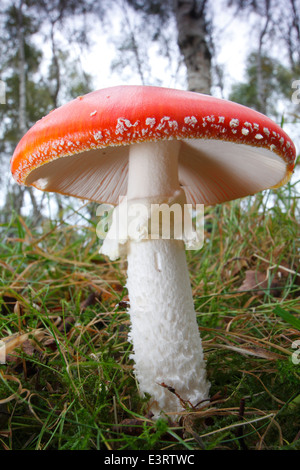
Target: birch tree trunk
[
  {"x": 15, "y": 194},
  {"x": 22, "y": 109},
  {"x": 22, "y": 73},
  {"x": 261, "y": 98},
  {"x": 192, "y": 41}
]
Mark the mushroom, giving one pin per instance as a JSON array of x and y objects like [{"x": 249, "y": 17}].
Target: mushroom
[{"x": 155, "y": 146}]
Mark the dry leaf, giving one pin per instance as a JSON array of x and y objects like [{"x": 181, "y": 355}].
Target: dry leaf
[
  {"x": 257, "y": 282},
  {"x": 14, "y": 341},
  {"x": 254, "y": 280}
]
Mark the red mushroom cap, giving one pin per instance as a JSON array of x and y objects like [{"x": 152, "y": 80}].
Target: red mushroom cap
[{"x": 81, "y": 149}]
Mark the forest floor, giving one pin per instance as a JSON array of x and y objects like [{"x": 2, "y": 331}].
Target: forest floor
[{"x": 67, "y": 382}]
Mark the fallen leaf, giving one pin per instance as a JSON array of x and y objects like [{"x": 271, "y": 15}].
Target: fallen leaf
[
  {"x": 14, "y": 341},
  {"x": 254, "y": 280}
]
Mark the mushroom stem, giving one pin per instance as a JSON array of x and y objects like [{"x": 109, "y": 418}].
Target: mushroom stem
[
  {"x": 167, "y": 347},
  {"x": 153, "y": 169}
]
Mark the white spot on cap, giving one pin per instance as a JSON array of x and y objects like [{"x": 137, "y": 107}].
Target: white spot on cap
[
  {"x": 245, "y": 131},
  {"x": 93, "y": 113},
  {"x": 190, "y": 120},
  {"x": 123, "y": 125},
  {"x": 259, "y": 136},
  {"x": 173, "y": 124},
  {"x": 163, "y": 122},
  {"x": 150, "y": 121},
  {"x": 98, "y": 135},
  {"x": 234, "y": 123}
]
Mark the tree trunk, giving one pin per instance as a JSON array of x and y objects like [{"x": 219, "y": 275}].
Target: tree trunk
[
  {"x": 192, "y": 41},
  {"x": 293, "y": 36},
  {"x": 22, "y": 73},
  {"x": 15, "y": 194},
  {"x": 22, "y": 112},
  {"x": 261, "y": 98}
]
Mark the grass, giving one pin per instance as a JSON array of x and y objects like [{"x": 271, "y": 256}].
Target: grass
[{"x": 68, "y": 381}]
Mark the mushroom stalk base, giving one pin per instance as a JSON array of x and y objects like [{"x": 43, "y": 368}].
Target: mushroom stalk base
[{"x": 167, "y": 347}]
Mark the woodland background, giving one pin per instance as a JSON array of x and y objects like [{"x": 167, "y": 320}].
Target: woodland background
[{"x": 51, "y": 52}]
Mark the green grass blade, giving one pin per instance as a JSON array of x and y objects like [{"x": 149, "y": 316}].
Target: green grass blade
[{"x": 288, "y": 317}]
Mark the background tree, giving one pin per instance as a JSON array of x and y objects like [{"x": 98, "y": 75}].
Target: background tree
[
  {"x": 30, "y": 92},
  {"x": 26, "y": 98},
  {"x": 265, "y": 89},
  {"x": 195, "y": 42},
  {"x": 275, "y": 59},
  {"x": 190, "y": 19}
]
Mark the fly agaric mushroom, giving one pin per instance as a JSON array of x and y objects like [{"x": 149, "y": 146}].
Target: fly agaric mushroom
[{"x": 156, "y": 145}]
